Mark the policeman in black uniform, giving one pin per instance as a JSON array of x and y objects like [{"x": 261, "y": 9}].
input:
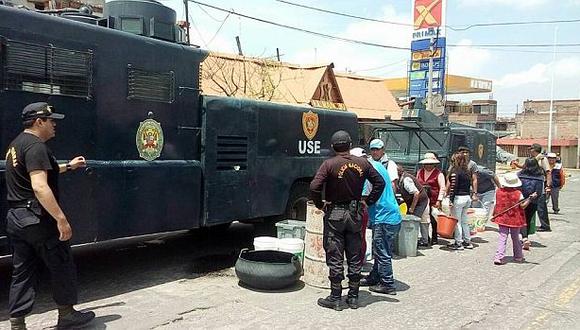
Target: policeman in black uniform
[
  {"x": 344, "y": 176},
  {"x": 38, "y": 229}
]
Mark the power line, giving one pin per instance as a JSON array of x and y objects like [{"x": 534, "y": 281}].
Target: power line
[
  {"x": 513, "y": 23},
  {"x": 382, "y": 66},
  {"x": 210, "y": 16},
  {"x": 408, "y": 24},
  {"x": 218, "y": 30},
  {"x": 328, "y": 36},
  {"x": 527, "y": 51},
  {"x": 515, "y": 45},
  {"x": 372, "y": 44},
  {"x": 344, "y": 14}
]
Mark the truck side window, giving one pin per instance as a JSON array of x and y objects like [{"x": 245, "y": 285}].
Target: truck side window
[
  {"x": 47, "y": 69},
  {"x": 150, "y": 85}
]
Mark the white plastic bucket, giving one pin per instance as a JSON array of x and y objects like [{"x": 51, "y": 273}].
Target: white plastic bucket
[
  {"x": 292, "y": 245},
  {"x": 266, "y": 243}
]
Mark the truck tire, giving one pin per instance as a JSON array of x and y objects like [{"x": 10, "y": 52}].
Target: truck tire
[
  {"x": 296, "y": 207},
  {"x": 268, "y": 270}
]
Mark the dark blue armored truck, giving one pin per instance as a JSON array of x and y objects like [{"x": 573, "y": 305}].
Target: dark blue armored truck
[{"x": 161, "y": 155}]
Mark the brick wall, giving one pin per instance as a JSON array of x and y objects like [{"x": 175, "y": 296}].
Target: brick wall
[
  {"x": 566, "y": 106},
  {"x": 535, "y": 125},
  {"x": 470, "y": 119}
]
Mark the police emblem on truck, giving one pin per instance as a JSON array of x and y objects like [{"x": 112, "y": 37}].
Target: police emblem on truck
[
  {"x": 149, "y": 139},
  {"x": 310, "y": 128}
]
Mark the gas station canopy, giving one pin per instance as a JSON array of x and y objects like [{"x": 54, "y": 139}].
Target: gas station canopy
[{"x": 453, "y": 85}]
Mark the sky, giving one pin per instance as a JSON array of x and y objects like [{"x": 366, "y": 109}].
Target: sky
[{"x": 518, "y": 74}]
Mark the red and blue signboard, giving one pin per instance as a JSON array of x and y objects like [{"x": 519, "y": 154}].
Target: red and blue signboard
[{"x": 429, "y": 27}]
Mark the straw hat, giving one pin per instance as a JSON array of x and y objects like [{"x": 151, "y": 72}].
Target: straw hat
[
  {"x": 510, "y": 180},
  {"x": 429, "y": 158}
]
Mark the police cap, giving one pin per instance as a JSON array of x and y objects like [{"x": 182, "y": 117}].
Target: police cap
[
  {"x": 340, "y": 138},
  {"x": 39, "y": 110}
]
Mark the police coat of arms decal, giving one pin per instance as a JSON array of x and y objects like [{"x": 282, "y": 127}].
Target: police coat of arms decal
[{"x": 149, "y": 139}]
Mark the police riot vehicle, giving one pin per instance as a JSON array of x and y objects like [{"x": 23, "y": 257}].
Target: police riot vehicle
[{"x": 161, "y": 155}]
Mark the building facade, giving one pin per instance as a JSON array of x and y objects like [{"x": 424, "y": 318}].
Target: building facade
[
  {"x": 478, "y": 113},
  {"x": 532, "y": 126}
]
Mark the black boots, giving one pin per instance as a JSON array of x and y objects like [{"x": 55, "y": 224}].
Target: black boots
[
  {"x": 381, "y": 288},
  {"x": 333, "y": 301},
  {"x": 352, "y": 298},
  {"x": 368, "y": 281},
  {"x": 69, "y": 318},
  {"x": 17, "y": 323}
]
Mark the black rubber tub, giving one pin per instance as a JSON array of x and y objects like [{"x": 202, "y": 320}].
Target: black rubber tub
[{"x": 268, "y": 270}]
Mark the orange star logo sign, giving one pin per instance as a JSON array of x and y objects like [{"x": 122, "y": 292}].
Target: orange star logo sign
[{"x": 427, "y": 13}]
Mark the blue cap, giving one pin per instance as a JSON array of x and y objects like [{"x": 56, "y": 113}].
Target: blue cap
[{"x": 377, "y": 144}]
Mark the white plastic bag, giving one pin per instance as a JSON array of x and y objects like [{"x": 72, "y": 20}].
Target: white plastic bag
[
  {"x": 445, "y": 206},
  {"x": 435, "y": 212}
]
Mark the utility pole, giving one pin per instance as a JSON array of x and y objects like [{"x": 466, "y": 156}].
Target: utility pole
[
  {"x": 552, "y": 91},
  {"x": 239, "y": 43},
  {"x": 186, "y": 3},
  {"x": 578, "y": 137},
  {"x": 430, "y": 76}
]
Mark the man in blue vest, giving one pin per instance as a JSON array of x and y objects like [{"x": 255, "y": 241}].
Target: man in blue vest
[{"x": 385, "y": 220}]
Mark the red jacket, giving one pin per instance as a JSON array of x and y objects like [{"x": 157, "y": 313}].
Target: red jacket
[
  {"x": 431, "y": 181},
  {"x": 504, "y": 199}
]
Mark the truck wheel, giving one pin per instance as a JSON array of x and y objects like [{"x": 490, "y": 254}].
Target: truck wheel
[{"x": 296, "y": 207}]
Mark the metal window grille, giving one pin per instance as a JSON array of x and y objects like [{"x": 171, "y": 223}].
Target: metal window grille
[
  {"x": 151, "y": 86},
  {"x": 47, "y": 69},
  {"x": 232, "y": 153}
]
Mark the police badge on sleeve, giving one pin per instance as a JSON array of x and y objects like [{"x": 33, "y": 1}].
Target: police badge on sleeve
[{"x": 149, "y": 139}]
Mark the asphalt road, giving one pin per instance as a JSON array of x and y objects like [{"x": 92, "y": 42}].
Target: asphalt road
[{"x": 186, "y": 281}]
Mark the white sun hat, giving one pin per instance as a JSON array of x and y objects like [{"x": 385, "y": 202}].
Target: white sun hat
[
  {"x": 429, "y": 158},
  {"x": 510, "y": 180}
]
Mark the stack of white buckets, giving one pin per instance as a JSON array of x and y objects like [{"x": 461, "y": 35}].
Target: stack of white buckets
[{"x": 290, "y": 245}]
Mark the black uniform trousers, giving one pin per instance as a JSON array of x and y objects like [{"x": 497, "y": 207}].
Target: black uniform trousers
[
  {"x": 34, "y": 244},
  {"x": 342, "y": 234}
]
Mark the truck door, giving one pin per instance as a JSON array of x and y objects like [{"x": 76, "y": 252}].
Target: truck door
[{"x": 229, "y": 140}]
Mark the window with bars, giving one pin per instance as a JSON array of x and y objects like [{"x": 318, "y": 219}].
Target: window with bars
[
  {"x": 151, "y": 86},
  {"x": 523, "y": 151},
  {"x": 508, "y": 148},
  {"x": 232, "y": 153},
  {"x": 47, "y": 69}
]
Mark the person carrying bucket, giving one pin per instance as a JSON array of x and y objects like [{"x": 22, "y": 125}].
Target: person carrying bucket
[
  {"x": 433, "y": 181},
  {"x": 342, "y": 177},
  {"x": 417, "y": 200},
  {"x": 509, "y": 216},
  {"x": 460, "y": 181}
]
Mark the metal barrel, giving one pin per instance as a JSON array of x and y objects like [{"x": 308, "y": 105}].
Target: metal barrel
[{"x": 315, "y": 269}]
